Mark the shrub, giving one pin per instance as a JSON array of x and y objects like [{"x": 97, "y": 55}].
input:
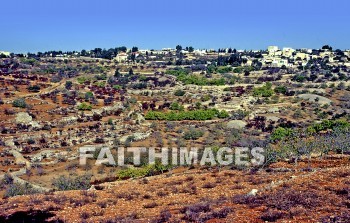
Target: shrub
[
  {"x": 272, "y": 215},
  {"x": 280, "y": 133},
  {"x": 239, "y": 115},
  {"x": 8, "y": 179},
  {"x": 164, "y": 216},
  {"x": 101, "y": 84},
  {"x": 179, "y": 93},
  {"x": 149, "y": 170},
  {"x": 224, "y": 69},
  {"x": 69, "y": 183},
  {"x": 199, "y": 115},
  {"x": 223, "y": 114},
  {"x": 34, "y": 88},
  {"x": 19, "y": 103},
  {"x": 209, "y": 185},
  {"x": 68, "y": 85},
  {"x": 150, "y": 205},
  {"x": 281, "y": 89},
  {"x": 15, "y": 189},
  {"x": 89, "y": 95},
  {"x": 264, "y": 91},
  {"x": 176, "y": 106},
  {"x": 84, "y": 106},
  {"x": 117, "y": 87},
  {"x": 193, "y": 134}
]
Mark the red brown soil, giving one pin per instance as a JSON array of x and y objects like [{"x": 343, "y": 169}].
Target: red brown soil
[{"x": 324, "y": 189}]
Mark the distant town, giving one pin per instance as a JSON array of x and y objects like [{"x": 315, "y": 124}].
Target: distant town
[{"x": 273, "y": 56}]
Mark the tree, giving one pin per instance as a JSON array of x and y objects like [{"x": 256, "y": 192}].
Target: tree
[
  {"x": 117, "y": 73},
  {"x": 131, "y": 71},
  {"x": 134, "y": 49},
  {"x": 89, "y": 95},
  {"x": 327, "y": 47},
  {"x": 190, "y": 49},
  {"x": 178, "y": 48},
  {"x": 68, "y": 85},
  {"x": 83, "y": 53}
]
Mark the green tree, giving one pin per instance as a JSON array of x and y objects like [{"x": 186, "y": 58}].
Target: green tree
[
  {"x": 134, "y": 49},
  {"x": 178, "y": 48},
  {"x": 68, "y": 85},
  {"x": 117, "y": 73}
]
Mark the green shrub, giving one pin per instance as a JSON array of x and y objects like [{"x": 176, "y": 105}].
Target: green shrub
[
  {"x": 179, "y": 93},
  {"x": 199, "y": 115},
  {"x": 19, "y": 103},
  {"x": 264, "y": 91},
  {"x": 280, "y": 133},
  {"x": 328, "y": 125},
  {"x": 193, "y": 134},
  {"x": 281, "y": 90},
  {"x": 101, "y": 77},
  {"x": 101, "y": 84},
  {"x": 144, "y": 171},
  {"x": 84, "y": 106},
  {"x": 176, "y": 106},
  {"x": 177, "y": 72},
  {"x": 82, "y": 80},
  {"x": 117, "y": 87},
  {"x": 223, "y": 69},
  {"x": 223, "y": 114}
]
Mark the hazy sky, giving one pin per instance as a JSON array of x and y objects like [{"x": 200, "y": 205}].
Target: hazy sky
[{"x": 40, "y": 25}]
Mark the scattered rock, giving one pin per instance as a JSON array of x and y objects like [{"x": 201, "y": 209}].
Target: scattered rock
[
  {"x": 315, "y": 98},
  {"x": 253, "y": 192},
  {"x": 236, "y": 124},
  {"x": 23, "y": 118}
]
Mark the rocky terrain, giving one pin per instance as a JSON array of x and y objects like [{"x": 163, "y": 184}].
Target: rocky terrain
[{"x": 50, "y": 107}]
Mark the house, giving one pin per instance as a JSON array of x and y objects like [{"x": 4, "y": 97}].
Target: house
[
  {"x": 288, "y": 52},
  {"x": 302, "y": 56},
  {"x": 200, "y": 52},
  {"x": 121, "y": 57},
  {"x": 281, "y": 63},
  {"x": 272, "y": 49}
]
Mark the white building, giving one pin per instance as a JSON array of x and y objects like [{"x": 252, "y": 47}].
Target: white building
[
  {"x": 272, "y": 49},
  {"x": 121, "y": 57},
  {"x": 302, "y": 56},
  {"x": 5, "y": 53},
  {"x": 288, "y": 52}
]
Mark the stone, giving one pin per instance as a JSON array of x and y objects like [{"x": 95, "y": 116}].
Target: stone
[
  {"x": 312, "y": 98},
  {"x": 236, "y": 124},
  {"x": 23, "y": 118},
  {"x": 253, "y": 192}
]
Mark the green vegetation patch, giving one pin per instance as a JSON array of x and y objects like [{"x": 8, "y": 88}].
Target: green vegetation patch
[{"x": 199, "y": 115}]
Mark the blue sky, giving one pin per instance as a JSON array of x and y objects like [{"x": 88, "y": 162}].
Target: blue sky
[{"x": 40, "y": 25}]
